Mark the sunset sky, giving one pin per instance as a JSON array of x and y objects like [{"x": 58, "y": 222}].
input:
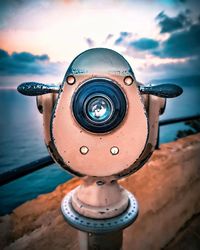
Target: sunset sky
[{"x": 38, "y": 39}]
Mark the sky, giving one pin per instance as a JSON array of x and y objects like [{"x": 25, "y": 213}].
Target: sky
[{"x": 39, "y": 39}]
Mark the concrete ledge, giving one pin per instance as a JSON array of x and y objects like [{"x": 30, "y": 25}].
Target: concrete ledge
[{"x": 167, "y": 189}]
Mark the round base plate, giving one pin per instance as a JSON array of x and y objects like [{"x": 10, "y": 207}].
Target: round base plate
[{"x": 99, "y": 225}]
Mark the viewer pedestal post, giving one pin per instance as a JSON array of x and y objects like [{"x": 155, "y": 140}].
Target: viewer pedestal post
[
  {"x": 99, "y": 233},
  {"x": 107, "y": 241}
]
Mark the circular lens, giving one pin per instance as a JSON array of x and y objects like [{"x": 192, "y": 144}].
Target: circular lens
[
  {"x": 99, "y": 105},
  {"x": 98, "y": 109}
]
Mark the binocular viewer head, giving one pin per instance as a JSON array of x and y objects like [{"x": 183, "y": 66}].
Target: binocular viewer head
[{"x": 100, "y": 121}]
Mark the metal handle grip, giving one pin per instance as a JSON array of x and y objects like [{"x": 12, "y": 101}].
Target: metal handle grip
[
  {"x": 36, "y": 88},
  {"x": 163, "y": 90}
]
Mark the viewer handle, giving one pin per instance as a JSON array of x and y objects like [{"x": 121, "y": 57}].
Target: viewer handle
[
  {"x": 163, "y": 90},
  {"x": 36, "y": 88}
]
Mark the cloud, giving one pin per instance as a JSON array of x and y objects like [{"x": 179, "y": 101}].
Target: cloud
[
  {"x": 109, "y": 36},
  {"x": 144, "y": 44},
  {"x": 90, "y": 42},
  {"x": 187, "y": 67},
  {"x": 28, "y": 57},
  {"x": 3, "y": 54},
  {"x": 173, "y": 3},
  {"x": 126, "y": 39},
  {"x": 122, "y": 37},
  {"x": 177, "y": 53},
  {"x": 181, "y": 44},
  {"x": 170, "y": 24},
  {"x": 25, "y": 63}
]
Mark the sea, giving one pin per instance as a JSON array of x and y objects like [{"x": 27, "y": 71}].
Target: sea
[{"x": 21, "y": 140}]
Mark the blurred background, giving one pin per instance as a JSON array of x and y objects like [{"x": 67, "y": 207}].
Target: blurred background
[{"x": 39, "y": 39}]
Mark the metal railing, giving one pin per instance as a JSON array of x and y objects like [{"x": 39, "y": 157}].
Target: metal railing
[{"x": 31, "y": 167}]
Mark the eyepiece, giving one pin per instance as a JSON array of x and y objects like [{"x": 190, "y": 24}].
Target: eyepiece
[
  {"x": 99, "y": 105},
  {"x": 98, "y": 108}
]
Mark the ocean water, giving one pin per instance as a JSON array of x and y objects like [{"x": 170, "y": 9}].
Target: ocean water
[{"x": 21, "y": 141}]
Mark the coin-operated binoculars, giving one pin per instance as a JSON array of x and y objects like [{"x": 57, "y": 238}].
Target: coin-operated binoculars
[{"x": 100, "y": 124}]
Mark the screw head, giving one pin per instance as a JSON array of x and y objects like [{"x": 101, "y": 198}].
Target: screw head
[
  {"x": 100, "y": 183},
  {"x": 114, "y": 150},
  {"x": 84, "y": 150},
  {"x": 128, "y": 80},
  {"x": 71, "y": 80}
]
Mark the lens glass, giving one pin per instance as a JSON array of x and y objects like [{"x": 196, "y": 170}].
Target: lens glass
[
  {"x": 99, "y": 105},
  {"x": 99, "y": 109}
]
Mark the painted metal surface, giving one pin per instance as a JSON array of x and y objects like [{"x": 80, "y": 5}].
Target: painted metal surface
[
  {"x": 101, "y": 61},
  {"x": 129, "y": 137},
  {"x": 100, "y": 205},
  {"x": 135, "y": 137},
  {"x": 95, "y": 225},
  {"x": 100, "y": 198}
]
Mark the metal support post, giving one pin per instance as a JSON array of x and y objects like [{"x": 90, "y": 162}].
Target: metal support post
[
  {"x": 99, "y": 234},
  {"x": 104, "y": 241}
]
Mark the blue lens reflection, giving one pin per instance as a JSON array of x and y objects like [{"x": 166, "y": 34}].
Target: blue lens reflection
[{"x": 99, "y": 109}]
